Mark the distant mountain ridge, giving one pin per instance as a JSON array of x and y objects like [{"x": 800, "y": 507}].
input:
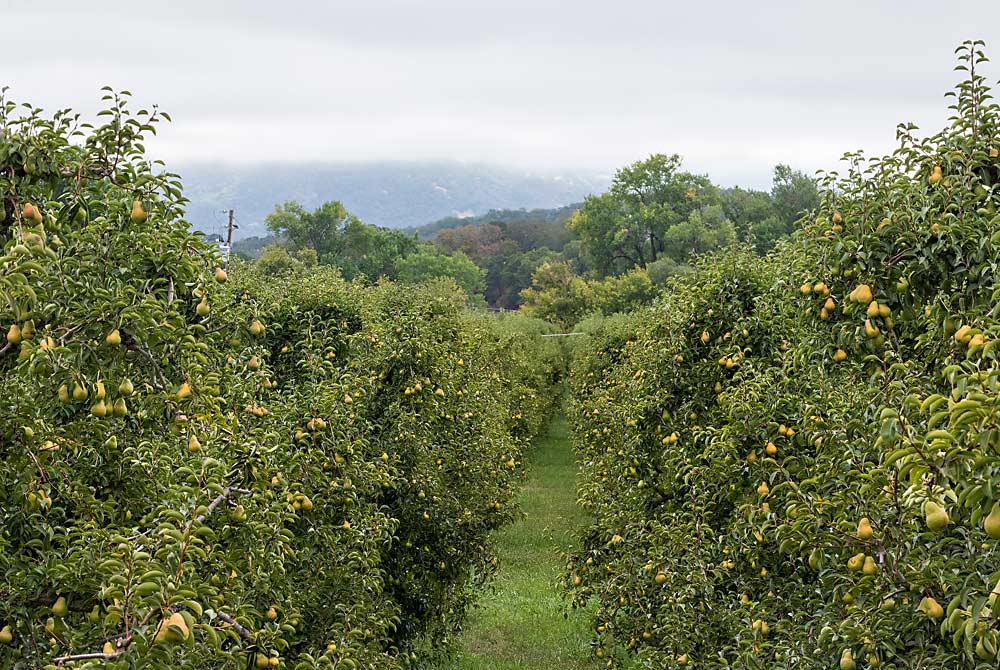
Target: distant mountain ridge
[
  {"x": 392, "y": 195},
  {"x": 429, "y": 231}
]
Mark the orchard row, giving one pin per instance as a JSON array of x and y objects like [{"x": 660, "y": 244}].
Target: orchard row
[{"x": 794, "y": 461}]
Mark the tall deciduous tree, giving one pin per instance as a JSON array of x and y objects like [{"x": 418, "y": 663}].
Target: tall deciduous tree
[
  {"x": 317, "y": 230},
  {"x": 626, "y": 227}
]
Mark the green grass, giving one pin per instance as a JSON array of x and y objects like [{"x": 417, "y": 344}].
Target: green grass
[{"x": 526, "y": 624}]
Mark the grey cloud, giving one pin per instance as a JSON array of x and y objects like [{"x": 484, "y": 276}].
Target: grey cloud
[{"x": 733, "y": 86}]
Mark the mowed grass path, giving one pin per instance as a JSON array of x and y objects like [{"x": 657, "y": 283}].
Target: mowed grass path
[{"x": 523, "y": 625}]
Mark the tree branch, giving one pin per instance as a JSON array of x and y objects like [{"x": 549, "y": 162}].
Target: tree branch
[{"x": 244, "y": 633}]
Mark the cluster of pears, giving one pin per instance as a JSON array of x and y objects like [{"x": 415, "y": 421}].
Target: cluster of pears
[
  {"x": 299, "y": 501},
  {"x": 970, "y": 337},
  {"x": 102, "y": 406}
]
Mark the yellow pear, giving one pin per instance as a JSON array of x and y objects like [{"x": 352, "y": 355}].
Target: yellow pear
[
  {"x": 805, "y": 289},
  {"x": 119, "y": 409},
  {"x": 862, "y": 294},
  {"x": 6, "y": 635},
  {"x": 64, "y": 394},
  {"x": 962, "y": 334},
  {"x": 125, "y": 388},
  {"x": 164, "y": 632},
  {"x": 253, "y": 363},
  {"x": 60, "y": 609},
  {"x": 99, "y": 409},
  {"x": 79, "y": 392},
  {"x": 272, "y": 614},
  {"x": 14, "y": 334},
  {"x": 220, "y": 275},
  {"x": 991, "y": 524},
  {"x": 114, "y": 338},
  {"x": 869, "y": 567},
  {"x": 262, "y": 662},
  {"x": 184, "y": 390},
  {"x": 935, "y": 516},
  {"x": 873, "y": 309},
  {"x": 109, "y": 648},
  {"x": 847, "y": 660},
  {"x": 854, "y": 563},
  {"x": 865, "y": 531},
  {"x": 840, "y": 355},
  {"x": 193, "y": 443},
  {"x": 870, "y": 330},
  {"x": 256, "y": 328},
  {"x": 203, "y": 309},
  {"x": 930, "y": 608},
  {"x": 829, "y": 305},
  {"x": 138, "y": 213},
  {"x": 821, "y": 288},
  {"x": 100, "y": 391},
  {"x": 935, "y": 175}
]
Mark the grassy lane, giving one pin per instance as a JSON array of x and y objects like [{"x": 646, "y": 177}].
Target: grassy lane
[{"x": 522, "y": 626}]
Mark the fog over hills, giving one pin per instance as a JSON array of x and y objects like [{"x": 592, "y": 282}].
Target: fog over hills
[{"x": 393, "y": 195}]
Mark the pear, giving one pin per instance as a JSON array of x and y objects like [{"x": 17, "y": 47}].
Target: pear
[
  {"x": 99, "y": 391},
  {"x": 930, "y": 608},
  {"x": 262, "y": 662},
  {"x": 272, "y": 614},
  {"x": 184, "y": 390},
  {"x": 862, "y": 294},
  {"x": 253, "y": 363},
  {"x": 60, "y": 609},
  {"x": 935, "y": 175},
  {"x": 126, "y": 388},
  {"x": 840, "y": 355},
  {"x": 119, "y": 409},
  {"x": 962, "y": 334},
  {"x": 239, "y": 514},
  {"x": 847, "y": 660},
  {"x": 109, "y": 648},
  {"x": 14, "y": 334},
  {"x": 64, "y": 394},
  {"x": 873, "y": 309},
  {"x": 821, "y": 288},
  {"x": 79, "y": 392},
  {"x": 114, "y": 338},
  {"x": 256, "y": 328},
  {"x": 870, "y": 330},
  {"x": 805, "y": 289},
  {"x": 99, "y": 409},
  {"x": 172, "y": 629},
  {"x": 991, "y": 524},
  {"x": 869, "y": 567},
  {"x": 6, "y": 635},
  {"x": 193, "y": 443},
  {"x": 829, "y": 305},
  {"x": 221, "y": 276},
  {"x": 138, "y": 213},
  {"x": 854, "y": 563},
  {"x": 936, "y": 517},
  {"x": 865, "y": 531},
  {"x": 203, "y": 309},
  {"x": 884, "y": 311}
]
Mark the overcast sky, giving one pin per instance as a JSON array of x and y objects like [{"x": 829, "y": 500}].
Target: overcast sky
[{"x": 733, "y": 86}]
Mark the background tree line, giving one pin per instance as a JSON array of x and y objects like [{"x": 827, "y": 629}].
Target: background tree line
[{"x": 612, "y": 252}]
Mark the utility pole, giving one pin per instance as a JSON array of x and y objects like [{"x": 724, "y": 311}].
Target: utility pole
[{"x": 229, "y": 239}]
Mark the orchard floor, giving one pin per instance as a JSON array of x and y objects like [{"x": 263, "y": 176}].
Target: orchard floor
[{"x": 526, "y": 624}]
